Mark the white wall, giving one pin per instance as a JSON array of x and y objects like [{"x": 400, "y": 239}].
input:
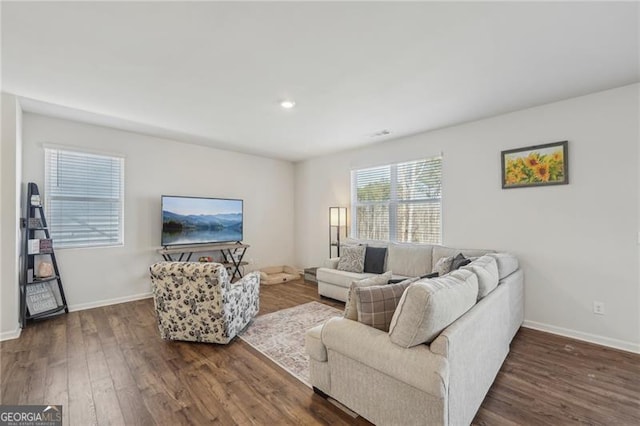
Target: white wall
[
  {"x": 10, "y": 203},
  {"x": 577, "y": 243},
  {"x": 154, "y": 167}
]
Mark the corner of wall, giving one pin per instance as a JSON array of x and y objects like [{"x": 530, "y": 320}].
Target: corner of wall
[{"x": 11, "y": 184}]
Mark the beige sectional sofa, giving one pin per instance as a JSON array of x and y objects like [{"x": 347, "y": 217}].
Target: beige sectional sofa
[
  {"x": 442, "y": 382},
  {"x": 403, "y": 260}
]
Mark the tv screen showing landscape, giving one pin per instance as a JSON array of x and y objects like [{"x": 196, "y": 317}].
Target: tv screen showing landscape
[{"x": 191, "y": 220}]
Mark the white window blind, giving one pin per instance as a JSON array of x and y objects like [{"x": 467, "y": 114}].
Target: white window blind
[
  {"x": 398, "y": 202},
  {"x": 84, "y": 198}
]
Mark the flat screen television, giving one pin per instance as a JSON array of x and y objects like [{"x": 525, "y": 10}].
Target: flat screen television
[{"x": 196, "y": 220}]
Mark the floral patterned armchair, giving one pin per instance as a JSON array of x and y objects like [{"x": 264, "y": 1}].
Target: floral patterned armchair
[{"x": 197, "y": 301}]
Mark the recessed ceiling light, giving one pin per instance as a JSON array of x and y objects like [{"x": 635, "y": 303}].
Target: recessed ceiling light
[{"x": 287, "y": 104}]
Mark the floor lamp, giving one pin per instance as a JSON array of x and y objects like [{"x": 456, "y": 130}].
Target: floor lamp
[{"x": 337, "y": 228}]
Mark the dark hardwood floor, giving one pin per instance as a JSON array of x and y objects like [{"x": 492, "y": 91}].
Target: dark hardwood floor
[{"x": 109, "y": 366}]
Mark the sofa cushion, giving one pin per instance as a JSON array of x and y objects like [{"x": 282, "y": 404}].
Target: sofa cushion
[
  {"x": 443, "y": 266},
  {"x": 339, "y": 278},
  {"x": 440, "y": 251},
  {"x": 374, "y": 259},
  {"x": 410, "y": 260},
  {"x": 507, "y": 264},
  {"x": 429, "y": 306},
  {"x": 352, "y": 259},
  {"x": 351, "y": 305},
  {"x": 486, "y": 269},
  {"x": 376, "y": 304}
]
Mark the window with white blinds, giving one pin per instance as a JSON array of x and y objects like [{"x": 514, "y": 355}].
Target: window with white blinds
[
  {"x": 398, "y": 202},
  {"x": 84, "y": 198}
]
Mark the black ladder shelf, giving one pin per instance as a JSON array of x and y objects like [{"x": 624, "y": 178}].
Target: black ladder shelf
[{"x": 38, "y": 293}]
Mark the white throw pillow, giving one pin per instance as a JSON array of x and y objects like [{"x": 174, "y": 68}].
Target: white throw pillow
[
  {"x": 429, "y": 306},
  {"x": 351, "y": 306}
]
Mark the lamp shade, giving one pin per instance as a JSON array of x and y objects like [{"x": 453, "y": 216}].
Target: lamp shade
[{"x": 338, "y": 216}]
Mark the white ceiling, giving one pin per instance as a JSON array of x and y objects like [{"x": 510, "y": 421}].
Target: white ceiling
[{"x": 214, "y": 73}]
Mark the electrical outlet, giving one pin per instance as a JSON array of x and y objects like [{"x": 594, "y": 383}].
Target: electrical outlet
[{"x": 598, "y": 308}]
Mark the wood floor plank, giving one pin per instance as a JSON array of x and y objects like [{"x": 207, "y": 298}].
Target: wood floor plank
[
  {"x": 57, "y": 386},
  {"x": 109, "y": 366},
  {"x": 106, "y": 402},
  {"x": 81, "y": 409},
  {"x": 132, "y": 406},
  {"x": 32, "y": 390}
]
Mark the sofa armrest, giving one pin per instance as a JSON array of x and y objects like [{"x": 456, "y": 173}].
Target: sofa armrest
[
  {"x": 331, "y": 263},
  {"x": 247, "y": 288},
  {"x": 416, "y": 366},
  {"x": 313, "y": 344},
  {"x": 250, "y": 282}
]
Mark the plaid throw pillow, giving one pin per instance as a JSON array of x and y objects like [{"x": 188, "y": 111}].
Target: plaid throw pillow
[
  {"x": 376, "y": 304},
  {"x": 351, "y": 306}
]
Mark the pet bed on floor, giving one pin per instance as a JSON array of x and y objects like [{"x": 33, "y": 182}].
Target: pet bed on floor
[{"x": 278, "y": 274}]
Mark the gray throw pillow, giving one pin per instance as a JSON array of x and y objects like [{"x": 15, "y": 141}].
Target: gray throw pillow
[
  {"x": 376, "y": 304},
  {"x": 374, "y": 258},
  {"x": 351, "y": 306},
  {"x": 352, "y": 259},
  {"x": 459, "y": 261}
]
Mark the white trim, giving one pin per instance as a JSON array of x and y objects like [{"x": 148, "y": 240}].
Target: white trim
[
  {"x": 107, "y": 302},
  {"x": 10, "y": 335},
  {"x": 14, "y": 334},
  {"x": 82, "y": 150},
  {"x": 50, "y": 150},
  {"x": 587, "y": 337}
]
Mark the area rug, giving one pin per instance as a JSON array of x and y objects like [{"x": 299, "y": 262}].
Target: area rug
[{"x": 280, "y": 335}]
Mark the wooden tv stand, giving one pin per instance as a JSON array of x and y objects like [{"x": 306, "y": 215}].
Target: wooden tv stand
[{"x": 229, "y": 253}]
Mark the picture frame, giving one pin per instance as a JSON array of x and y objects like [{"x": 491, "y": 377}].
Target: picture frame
[
  {"x": 536, "y": 165},
  {"x": 40, "y": 298}
]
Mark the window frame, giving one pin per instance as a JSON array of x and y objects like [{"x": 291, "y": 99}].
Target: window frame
[
  {"x": 393, "y": 202},
  {"x": 47, "y": 198}
]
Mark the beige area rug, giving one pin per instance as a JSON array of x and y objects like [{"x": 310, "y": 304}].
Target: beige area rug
[{"x": 280, "y": 335}]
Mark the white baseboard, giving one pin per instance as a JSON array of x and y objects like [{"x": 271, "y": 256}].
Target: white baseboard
[
  {"x": 107, "y": 302},
  {"x": 9, "y": 335},
  {"x": 587, "y": 337},
  {"x": 14, "y": 334}
]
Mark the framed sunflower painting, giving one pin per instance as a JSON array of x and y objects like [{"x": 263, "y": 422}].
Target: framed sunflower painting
[{"x": 535, "y": 165}]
